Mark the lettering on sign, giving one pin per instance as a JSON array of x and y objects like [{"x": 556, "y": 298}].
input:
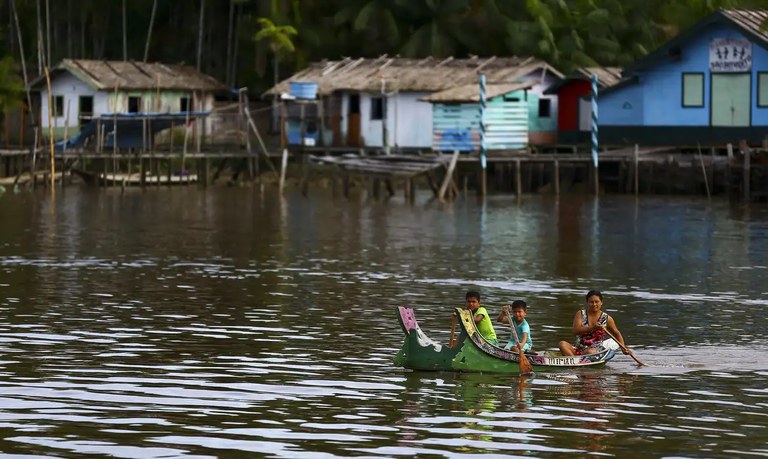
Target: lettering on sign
[{"x": 730, "y": 55}]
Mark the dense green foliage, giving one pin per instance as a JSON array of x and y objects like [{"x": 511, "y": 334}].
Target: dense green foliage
[{"x": 241, "y": 40}]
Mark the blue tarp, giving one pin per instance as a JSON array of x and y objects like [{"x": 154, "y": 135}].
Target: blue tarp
[{"x": 130, "y": 128}]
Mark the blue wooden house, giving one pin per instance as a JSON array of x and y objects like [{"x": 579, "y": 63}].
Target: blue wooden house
[{"x": 707, "y": 85}]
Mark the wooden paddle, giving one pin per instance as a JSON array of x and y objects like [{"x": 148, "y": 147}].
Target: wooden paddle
[
  {"x": 624, "y": 348},
  {"x": 525, "y": 365},
  {"x": 451, "y": 343}
]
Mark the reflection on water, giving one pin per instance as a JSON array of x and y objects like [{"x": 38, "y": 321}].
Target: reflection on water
[{"x": 235, "y": 323}]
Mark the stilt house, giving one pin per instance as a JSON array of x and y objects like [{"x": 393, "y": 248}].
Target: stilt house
[
  {"x": 85, "y": 90},
  {"x": 708, "y": 85},
  {"x": 382, "y": 103}
]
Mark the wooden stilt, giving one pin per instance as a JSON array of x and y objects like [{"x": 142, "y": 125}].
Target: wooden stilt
[
  {"x": 747, "y": 170},
  {"x": 596, "y": 176},
  {"x": 704, "y": 172},
  {"x": 728, "y": 172},
  {"x": 142, "y": 171},
  {"x": 448, "y": 175},
  {"x": 283, "y": 167},
  {"x": 557, "y": 177},
  {"x": 406, "y": 189},
  {"x": 518, "y": 178},
  {"x": 636, "y": 158},
  {"x": 346, "y": 186},
  {"x": 206, "y": 171}
]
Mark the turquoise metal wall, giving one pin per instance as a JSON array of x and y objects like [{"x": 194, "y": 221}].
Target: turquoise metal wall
[{"x": 457, "y": 126}]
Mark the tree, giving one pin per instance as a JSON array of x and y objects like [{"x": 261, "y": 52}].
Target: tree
[{"x": 280, "y": 42}]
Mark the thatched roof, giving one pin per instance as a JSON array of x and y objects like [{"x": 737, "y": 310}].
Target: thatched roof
[
  {"x": 108, "y": 75},
  {"x": 411, "y": 75},
  {"x": 471, "y": 92}
]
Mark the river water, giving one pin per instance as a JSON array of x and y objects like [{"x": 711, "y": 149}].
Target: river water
[{"x": 233, "y": 322}]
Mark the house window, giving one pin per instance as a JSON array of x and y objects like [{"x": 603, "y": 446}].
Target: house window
[
  {"x": 86, "y": 109},
  {"x": 377, "y": 108},
  {"x": 86, "y": 106},
  {"x": 58, "y": 106},
  {"x": 354, "y": 103},
  {"x": 134, "y": 104},
  {"x": 545, "y": 108},
  {"x": 762, "y": 89},
  {"x": 693, "y": 89},
  {"x": 185, "y": 104}
]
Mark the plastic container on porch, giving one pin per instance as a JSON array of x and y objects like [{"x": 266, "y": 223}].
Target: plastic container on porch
[{"x": 303, "y": 89}]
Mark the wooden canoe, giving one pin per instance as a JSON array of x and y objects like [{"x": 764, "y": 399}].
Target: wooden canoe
[{"x": 474, "y": 354}]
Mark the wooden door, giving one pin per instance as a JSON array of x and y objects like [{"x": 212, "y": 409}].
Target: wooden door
[
  {"x": 353, "y": 120},
  {"x": 731, "y": 102}
]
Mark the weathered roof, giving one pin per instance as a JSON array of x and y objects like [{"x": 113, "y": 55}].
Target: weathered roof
[
  {"x": 108, "y": 75},
  {"x": 411, "y": 75},
  {"x": 606, "y": 77},
  {"x": 471, "y": 92},
  {"x": 748, "y": 21}
]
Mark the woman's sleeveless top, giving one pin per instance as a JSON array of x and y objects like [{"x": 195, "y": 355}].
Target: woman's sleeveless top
[{"x": 595, "y": 337}]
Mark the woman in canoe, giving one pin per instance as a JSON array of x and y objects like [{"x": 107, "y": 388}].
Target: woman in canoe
[{"x": 589, "y": 326}]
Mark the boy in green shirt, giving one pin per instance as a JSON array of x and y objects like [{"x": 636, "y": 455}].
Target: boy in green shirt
[{"x": 480, "y": 315}]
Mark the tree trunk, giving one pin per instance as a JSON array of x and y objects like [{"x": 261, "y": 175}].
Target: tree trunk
[
  {"x": 70, "y": 48},
  {"x": 83, "y": 21},
  {"x": 236, "y": 44},
  {"x": 125, "y": 34},
  {"x": 274, "y": 96},
  {"x": 230, "y": 34},
  {"x": 40, "y": 43},
  {"x": 149, "y": 31},
  {"x": 200, "y": 35},
  {"x": 48, "y": 32}
]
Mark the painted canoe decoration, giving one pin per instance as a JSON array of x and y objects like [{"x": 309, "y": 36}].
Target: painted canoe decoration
[{"x": 473, "y": 353}]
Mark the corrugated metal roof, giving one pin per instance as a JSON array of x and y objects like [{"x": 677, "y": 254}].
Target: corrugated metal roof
[
  {"x": 412, "y": 75},
  {"x": 471, "y": 92},
  {"x": 106, "y": 75}
]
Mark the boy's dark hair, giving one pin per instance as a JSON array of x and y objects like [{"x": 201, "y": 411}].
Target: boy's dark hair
[
  {"x": 472, "y": 294},
  {"x": 519, "y": 304}
]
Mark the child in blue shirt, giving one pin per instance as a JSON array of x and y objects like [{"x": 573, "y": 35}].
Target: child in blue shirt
[{"x": 518, "y": 312}]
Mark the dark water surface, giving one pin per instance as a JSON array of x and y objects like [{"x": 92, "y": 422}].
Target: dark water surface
[{"x": 236, "y": 323}]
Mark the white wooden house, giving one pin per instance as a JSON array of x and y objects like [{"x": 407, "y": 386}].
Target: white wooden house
[{"x": 83, "y": 90}]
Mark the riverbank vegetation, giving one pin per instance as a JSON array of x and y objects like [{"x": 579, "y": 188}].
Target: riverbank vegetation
[{"x": 227, "y": 38}]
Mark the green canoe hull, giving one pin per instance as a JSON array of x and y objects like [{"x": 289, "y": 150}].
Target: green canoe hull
[{"x": 475, "y": 354}]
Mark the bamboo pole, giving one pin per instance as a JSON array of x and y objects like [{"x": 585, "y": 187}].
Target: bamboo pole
[
  {"x": 114, "y": 136},
  {"x": 184, "y": 151},
  {"x": 50, "y": 129}
]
